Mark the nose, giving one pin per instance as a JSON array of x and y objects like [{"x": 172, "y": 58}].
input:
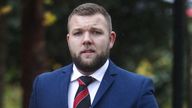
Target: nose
[{"x": 87, "y": 40}]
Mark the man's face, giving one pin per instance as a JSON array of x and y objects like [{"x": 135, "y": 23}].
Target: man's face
[{"x": 89, "y": 41}]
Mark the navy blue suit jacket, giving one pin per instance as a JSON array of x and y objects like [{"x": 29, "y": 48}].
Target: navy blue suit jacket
[{"x": 119, "y": 89}]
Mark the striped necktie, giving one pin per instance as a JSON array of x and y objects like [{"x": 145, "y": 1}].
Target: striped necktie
[{"x": 82, "y": 97}]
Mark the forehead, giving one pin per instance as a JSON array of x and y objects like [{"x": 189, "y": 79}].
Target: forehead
[{"x": 84, "y": 22}]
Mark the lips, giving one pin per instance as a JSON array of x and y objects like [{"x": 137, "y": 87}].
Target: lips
[{"x": 87, "y": 51}]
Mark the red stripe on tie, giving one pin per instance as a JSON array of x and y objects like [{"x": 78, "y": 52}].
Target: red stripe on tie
[
  {"x": 80, "y": 97},
  {"x": 81, "y": 82}
]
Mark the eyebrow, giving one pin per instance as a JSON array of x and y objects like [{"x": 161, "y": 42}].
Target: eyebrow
[{"x": 92, "y": 28}]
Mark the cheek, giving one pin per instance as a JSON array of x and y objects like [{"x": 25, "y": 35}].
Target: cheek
[
  {"x": 73, "y": 42},
  {"x": 73, "y": 46},
  {"x": 103, "y": 45}
]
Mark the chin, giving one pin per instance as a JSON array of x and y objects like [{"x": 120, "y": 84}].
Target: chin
[
  {"x": 88, "y": 60},
  {"x": 87, "y": 63}
]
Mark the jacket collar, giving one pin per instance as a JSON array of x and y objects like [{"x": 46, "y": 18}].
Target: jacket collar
[{"x": 106, "y": 83}]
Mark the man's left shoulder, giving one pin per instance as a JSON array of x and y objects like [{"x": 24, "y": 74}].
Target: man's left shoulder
[
  {"x": 132, "y": 75},
  {"x": 120, "y": 70},
  {"x": 128, "y": 76}
]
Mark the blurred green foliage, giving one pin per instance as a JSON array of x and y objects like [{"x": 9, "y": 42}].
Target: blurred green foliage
[
  {"x": 12, "y": 97},
  {"x": 143, "y": 43}
]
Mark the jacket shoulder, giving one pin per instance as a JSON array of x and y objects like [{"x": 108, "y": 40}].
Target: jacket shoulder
[
  {"x": 51, "y": 75},
  {"x": 126, "y": 74}
]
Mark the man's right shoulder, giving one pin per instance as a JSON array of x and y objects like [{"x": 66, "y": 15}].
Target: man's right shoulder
[{"x": 56, "y": 72}]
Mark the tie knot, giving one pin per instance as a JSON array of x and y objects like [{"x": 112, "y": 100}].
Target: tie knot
[{"x": 85, "y": 80}]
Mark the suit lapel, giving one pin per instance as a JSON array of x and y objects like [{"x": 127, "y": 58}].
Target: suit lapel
[
  {"x": 106, "y": 83},
  {"x": 64, "y": 85}
]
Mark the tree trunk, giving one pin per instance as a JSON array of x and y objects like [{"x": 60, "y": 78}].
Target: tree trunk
[
  {"x": 189, "y": 66},
  {"x": 33, "y": 45},
  {"x": 3, "y": 55},
  {"x": 178, "y": 53},
  {"x": 189, "y": 70}
]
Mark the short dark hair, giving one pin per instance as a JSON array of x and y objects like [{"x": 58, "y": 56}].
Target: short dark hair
[{"x": 88, "y": 9}]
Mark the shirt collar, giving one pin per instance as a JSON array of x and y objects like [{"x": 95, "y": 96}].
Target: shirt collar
[{"x": 98, "y": 74}]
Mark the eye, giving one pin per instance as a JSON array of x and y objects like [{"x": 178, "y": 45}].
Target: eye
[
  {"x": 77, "y": 33},
  {"x": 96, "y": 32}
]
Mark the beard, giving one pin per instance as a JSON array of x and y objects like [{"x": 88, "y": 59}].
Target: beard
[{"x": 91, "y": 66}]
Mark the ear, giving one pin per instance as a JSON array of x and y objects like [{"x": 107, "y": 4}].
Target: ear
[
  {"x": 67, "y": 37},
  {"x": 112, "y": 39}
]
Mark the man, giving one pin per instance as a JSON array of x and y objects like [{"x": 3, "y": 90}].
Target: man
[{"x": 103, "y": 85}]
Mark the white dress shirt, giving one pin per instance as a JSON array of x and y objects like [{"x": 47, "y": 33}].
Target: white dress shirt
[{"x": 93, "y": 87}]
